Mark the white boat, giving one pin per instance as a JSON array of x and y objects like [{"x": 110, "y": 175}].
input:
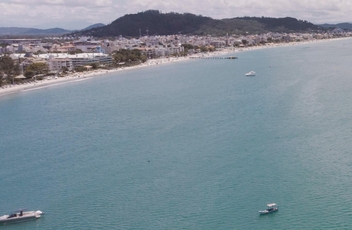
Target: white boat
[
  {"x": 20, "y": 216},
  {"x": 251, "y": 73},
  {"x": 270, "y": 209}
]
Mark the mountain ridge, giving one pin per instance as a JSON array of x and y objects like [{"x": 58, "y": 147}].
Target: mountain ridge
[
  {"x": 24, "y": 31},
  {"x": 153, "y": 22},
  {"x": 343, "y": 25}
]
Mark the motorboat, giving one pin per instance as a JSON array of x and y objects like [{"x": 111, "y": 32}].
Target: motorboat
[
  {"x": 251, "y": 73},
  {"x": 20, "y": 216},
  {"x": 270, "y": 209}
]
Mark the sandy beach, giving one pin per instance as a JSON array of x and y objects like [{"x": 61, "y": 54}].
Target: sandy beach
[{"x": 76, "y": 77}]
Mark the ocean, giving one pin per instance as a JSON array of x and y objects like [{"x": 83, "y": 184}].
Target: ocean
[{"x": 187, "y": 145}]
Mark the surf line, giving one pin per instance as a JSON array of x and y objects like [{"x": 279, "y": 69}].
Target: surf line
[{"x": 50, "y": 85}]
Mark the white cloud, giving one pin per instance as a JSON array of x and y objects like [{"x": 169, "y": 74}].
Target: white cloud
[
  {"x": 66, "y": 3},
  {"x": 70, "y": 14}
]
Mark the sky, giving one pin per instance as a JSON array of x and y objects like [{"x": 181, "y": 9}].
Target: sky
[{"x": 78, "y": 14}]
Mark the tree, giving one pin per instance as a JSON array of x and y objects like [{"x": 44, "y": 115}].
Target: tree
[
  {"x": 38, "y": 52},
  {"x": 3, "y": 45},
  {"x": 64, "y": 69},
  {"x": 94, "y": 65},
  {"x": 35, "y": 69},
  {"x": 244, "y": 42},
  {"x": 129, "y": 56},
  {"x": 29, "y": 73},
  {"x": 80, "y": 69},
  {"x": 8, "y": 68},
  {"x": 77, "y": 51},
  {"x": 204, "y": 49},
  {"x": 1, "y": 77},
  {"x": 188, "y": 46}
]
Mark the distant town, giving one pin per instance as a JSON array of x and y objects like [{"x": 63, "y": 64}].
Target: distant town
[{"x": 39, "y": 58}]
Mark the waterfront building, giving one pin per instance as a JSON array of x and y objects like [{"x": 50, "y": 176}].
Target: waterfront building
[{"x": 57, "y": 64}]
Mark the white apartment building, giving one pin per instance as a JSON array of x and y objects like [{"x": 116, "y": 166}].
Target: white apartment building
[
  {"x": 57, "y": 64},
  {"x": 80, "y": 59}
]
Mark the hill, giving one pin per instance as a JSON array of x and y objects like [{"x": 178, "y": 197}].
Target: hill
[
  {"x": 20, "y": 31},
  {"x": 13, "y": 30},
  {"x": 52, "y": 31},
  {"x": 345, "y": 26},
  {"x": 94, "y": 26},
  {"x": 153, "y": 22}
]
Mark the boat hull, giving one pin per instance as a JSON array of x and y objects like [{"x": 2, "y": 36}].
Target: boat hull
[
  {"x": 250, "y": 74},
  {"x": 268, "y": 211},
  {"x": 26, "y": 216}
]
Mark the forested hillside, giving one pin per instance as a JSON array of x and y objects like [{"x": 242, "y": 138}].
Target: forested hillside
[{"x": 153, "y": 22}]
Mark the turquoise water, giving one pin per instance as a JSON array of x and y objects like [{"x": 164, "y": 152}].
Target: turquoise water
[{"x": 189, "y": 145}]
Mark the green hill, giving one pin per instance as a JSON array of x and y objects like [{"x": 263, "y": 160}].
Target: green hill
[
  {"x": 153, "y": 22},
  {"x": 20, "y": 31},
  {"x": 345, "y": 26},
  {"x": 94, "y": 26},
  {"x": 42, "y": 32}
]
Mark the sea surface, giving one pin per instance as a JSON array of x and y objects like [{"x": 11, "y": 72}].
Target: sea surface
[{"x": 188, "y": 145}]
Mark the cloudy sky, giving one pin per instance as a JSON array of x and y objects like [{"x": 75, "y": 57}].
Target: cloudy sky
[{"x": 78, "y": 14}]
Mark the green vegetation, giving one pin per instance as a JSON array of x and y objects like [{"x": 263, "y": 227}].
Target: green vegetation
[
  {"x": 64, "y": 70},
  {"x": 94, "y": 65},
  {"x": 77, "y": 51},
  {"x": 80, "y": 69},
  {"x": 152, "y": 22},
  {"x": 128, "y": 57},
  {"x": 37, "y": 68},
  {"x": 207, "y": 49},
  {"x": 8, "y": 70},
  {"x": 3, "y": 45},
  {"x": 188, "y": 47},
  {"x": 38, "y": 52},
  {"x": 88, "y": 67}
]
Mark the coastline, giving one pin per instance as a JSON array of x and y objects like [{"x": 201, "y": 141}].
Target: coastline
[{"x": 76, "y": 77}]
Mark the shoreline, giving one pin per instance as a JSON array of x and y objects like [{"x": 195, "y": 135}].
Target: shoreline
[{"x": 77, "y": 77}]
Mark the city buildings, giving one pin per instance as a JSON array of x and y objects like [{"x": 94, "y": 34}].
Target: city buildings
[{"x": 68, "y": 52}]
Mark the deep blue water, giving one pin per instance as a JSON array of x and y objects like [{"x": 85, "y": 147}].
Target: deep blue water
[{"x": 188, "y": 145}]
